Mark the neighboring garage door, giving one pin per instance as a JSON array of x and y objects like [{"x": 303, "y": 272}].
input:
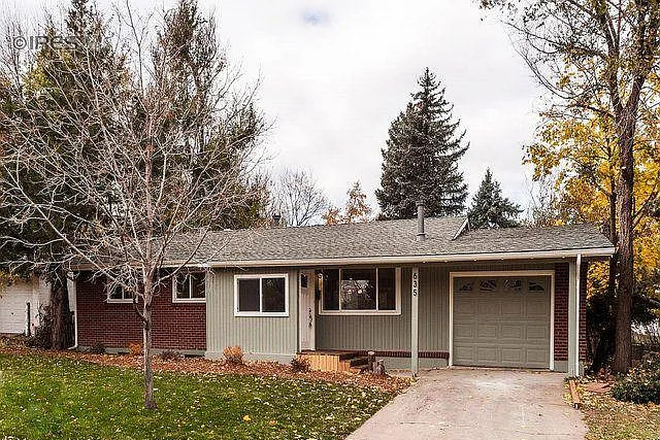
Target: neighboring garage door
[
  {"x": 502, "y": 322},
  {"x": 13, "y": 303}
]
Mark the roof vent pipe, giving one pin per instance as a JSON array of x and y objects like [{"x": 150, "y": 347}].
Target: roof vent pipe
[
  {"x": 421, "y": 235},
  {"x": 277, "y": 220}
]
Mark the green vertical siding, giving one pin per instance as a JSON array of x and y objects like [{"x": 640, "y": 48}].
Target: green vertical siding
[
  {"x": 276, "y": 338},
  {"x": 260, "y": 337},
  {"x": 368, "y": 332},
  {"x": 434, "y": 309},
  {"x": 392, "y": 332},
  {"x": 387, "y": 332}
]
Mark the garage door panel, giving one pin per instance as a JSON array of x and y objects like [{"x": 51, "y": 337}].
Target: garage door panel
[
  {"x": 536, "y": 308},
  {"x": 488, "y": 309},
  {"x": 537, "y": 332},
  {"x": 512, "y": 308},
  {"x": 464, "y": 354},
  {"x": 503, "y": 327},
  {"x": 465, "y": 307},
  {"x": 487, "y": 353},
  {"x": 535, "y": 355},
  {"x": 487, "y": 332},
  {"x": 512, "y": 331},
  {"x": 465, "y": 331},
  {"x": 514, "y": 355},
  {"x": 13, "y": 306}
]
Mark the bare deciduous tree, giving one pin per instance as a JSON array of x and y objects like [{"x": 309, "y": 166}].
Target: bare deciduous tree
[
  {"x": 542, "y": 203},
  {"x": 297, "y": 198},
  {"x": 165, "y": 152}
]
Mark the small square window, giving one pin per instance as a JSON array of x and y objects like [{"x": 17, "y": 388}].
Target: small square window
[
  {"x": 358, "y": 289},
  {"x": 190, "y": 286},
  {"x": 537, "y": 286},
  {"x": 466, "y": 286},
  {"x": 116, "y": 293},
  {"x": 512, "y": 285},
  {"x": 489, "y": 285},
  {"x": 248, "y": 295},
  {"x": 273, "y": 295},
  {"x": 257, "y": 295}
]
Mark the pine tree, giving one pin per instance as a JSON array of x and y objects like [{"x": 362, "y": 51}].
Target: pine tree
[
  {"x": 491, "y": 210},
  {"x": 420, "y": 162},
  {"x": 54, "y": 78}
]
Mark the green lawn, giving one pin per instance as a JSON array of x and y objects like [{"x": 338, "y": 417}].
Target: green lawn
[{"x": 53, "y": 398}]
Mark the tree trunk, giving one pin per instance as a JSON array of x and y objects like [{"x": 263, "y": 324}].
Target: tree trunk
[
  {"x": 603, "y": 349},
  {"x": 623, "y": 345},
  {"x": 149, "y": 400},
  {"x": 59, "y": 309},
  {"x": 148, "y": 280}
]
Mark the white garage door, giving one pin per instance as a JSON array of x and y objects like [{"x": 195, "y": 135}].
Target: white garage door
[
  {"x": 13, "y": 308},
  {"x": 502, "y": 322}
]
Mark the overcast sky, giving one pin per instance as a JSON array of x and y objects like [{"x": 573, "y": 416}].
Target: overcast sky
[{"x": 335, "y": 73}]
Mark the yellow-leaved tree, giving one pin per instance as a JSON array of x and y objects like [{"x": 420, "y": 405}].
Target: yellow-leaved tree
[{"x": 577, "y": 151}]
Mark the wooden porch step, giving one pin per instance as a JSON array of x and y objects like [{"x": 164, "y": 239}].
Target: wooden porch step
[
  {"x": 340, "y": 354},
  {"x": 333, "y": 360}
]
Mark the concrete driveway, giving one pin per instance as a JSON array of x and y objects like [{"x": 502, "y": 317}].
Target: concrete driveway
[{"x": 478, "y": 404}]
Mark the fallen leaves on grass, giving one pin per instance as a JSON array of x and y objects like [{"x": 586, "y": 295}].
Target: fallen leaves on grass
[
  {"x": 206, "y": 366},
  {"x": 608, "y": 418},
  {"x": 46, "y": 396}
]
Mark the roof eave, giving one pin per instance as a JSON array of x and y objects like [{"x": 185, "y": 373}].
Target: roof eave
[{"x": 523, "y": 255}]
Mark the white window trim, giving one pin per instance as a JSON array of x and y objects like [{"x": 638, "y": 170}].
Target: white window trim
[
  {"x": 261, "y": 314},
  {"x": 117, "y": 301},
  {"x": 176, "y": 299},
  {"x": 513, "y": 273},
  {"x": 397, "y": 288}
]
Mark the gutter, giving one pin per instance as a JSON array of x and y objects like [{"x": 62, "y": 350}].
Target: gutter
[
  {"x": 578, "y": 264},
  {"x": 531, "y": 255}
]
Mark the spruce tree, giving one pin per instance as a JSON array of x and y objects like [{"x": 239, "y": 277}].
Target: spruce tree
[
  {"x": 490, "y": 209},
  {"x": 54, "y": 78},
  {"x": 420, "y": 161}
]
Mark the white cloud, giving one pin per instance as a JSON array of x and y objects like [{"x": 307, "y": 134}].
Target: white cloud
[
  {"x": 335, "y": 73},
  {"x": 334, "y": 83}
]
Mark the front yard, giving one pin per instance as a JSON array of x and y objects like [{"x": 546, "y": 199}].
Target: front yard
[
  {"x": 48, "y": 397},
  {"x": 611, "y": 419}
]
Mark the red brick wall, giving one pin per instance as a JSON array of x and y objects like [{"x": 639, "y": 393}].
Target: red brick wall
[
  {"x": 561, "y": 311},
  {"x": 176, "y": 326}
]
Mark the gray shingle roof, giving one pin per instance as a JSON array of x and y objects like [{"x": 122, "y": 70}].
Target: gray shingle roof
[{"x": 393, "y": 238}]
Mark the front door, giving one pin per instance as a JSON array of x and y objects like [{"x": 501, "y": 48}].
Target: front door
[{"x": 306, "y": 314}]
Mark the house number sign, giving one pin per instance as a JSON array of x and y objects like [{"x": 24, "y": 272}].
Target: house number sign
[{"x": 415, "y": 281}]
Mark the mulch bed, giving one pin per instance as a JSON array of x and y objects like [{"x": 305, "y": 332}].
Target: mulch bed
[
  {"x": 204, "y": 366},
  {"x": 598, "y": 386},
  {"x": 600, "y": 383}
]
